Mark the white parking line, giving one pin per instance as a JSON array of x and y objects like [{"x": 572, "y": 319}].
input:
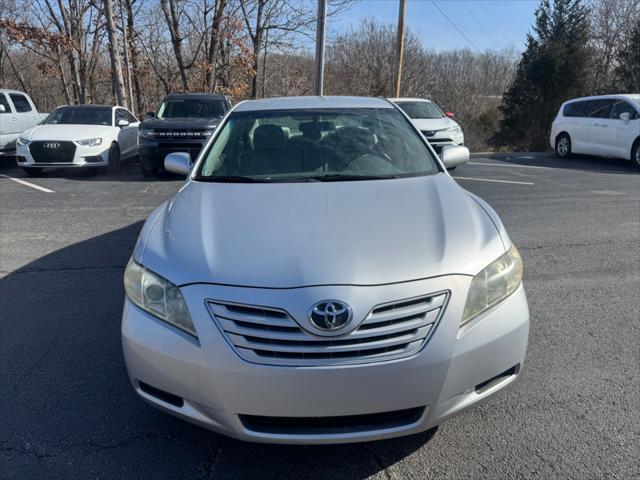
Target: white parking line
[
  {"x": 27, "y": 184},
  {"x": 506, "y": 165},
  {"x": 494, "y": 180}
]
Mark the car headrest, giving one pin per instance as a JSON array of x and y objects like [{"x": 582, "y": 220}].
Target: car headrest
[
  {"x": 359, "y": 136},
  {"x": 269, "y": 137}
]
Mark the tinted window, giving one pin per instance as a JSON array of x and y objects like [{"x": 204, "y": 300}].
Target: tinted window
[
  {"x": 317, "y": 145},
  {"x": 598, "y": 108},
  {"x": 20, "y": 102},
  {"x": 620, "y": 107},
  {"x": 420, "y": 109},
  {"x": 574, "y": 109},
  {"x": 81, "y": 115},
  {"x": 192, "y": 108},
  {"x": 5, "y": 102},
  {"x": 129, "y": 117},
  {"x": 122, "y": 115}
]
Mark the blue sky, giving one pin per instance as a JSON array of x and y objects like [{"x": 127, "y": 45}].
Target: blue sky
[{"x": 487, "y": 24}]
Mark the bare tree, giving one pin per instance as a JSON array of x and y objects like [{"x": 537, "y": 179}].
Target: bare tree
[{"x": 114, "y": 54}]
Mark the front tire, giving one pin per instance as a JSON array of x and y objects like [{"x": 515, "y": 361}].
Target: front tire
[
  {"x": 114, "y": 158},
  {"x": 635, "y": 153},
  {"x": 563, "y": 146},
  {"x": 33, "y": 171}
]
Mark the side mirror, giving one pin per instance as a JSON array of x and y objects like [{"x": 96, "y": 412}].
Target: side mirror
[
  {"x": 625, "y": 117},
  {"x": 449, "y": 114},
  {"x": 123, "y": 123},
  {"x": 150, "y": 115},
  {"x": 178, "y": 162},
  {"x": 454, "y": 155},
  {"x": 2, "y": 108}
]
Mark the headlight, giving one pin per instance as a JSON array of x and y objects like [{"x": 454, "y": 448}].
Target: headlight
[
  {"x": 157, "y": 296},
  {"x": 23, "y": 142},
  {"x": 146, "y": 132},
  {"x": 90, "y": 142},
  {"x": 493, "y": 284},
  {"x": 455, "y": 130}
]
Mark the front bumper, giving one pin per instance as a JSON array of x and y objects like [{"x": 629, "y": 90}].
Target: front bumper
[
  {"x": 441, "y": 139},
  {"x": 97, "y": 156},
  {"x": 216, "y": 388}
]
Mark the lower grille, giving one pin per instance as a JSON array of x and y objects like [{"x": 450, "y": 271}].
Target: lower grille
[
  {"x": 52, "y": 151},
  {"x": 332, "y": 425},
  {"x": 271, "y": 336}
]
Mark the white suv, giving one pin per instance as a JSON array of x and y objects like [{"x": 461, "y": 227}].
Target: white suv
[{"x": 606, "y": 125}]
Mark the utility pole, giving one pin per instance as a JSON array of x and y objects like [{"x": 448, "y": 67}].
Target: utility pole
[
  {"x": 320, "y": 36},
  {"x": 400, "y": 46}
]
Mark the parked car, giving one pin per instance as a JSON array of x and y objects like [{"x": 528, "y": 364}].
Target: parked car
[
  {"x": 437, "y": 126},
  {"x": 17, "y": 113},
  {"x": 321, "y": 278},
  {"x": 184, "y": 122},
  {"x": 605, "y": 125},
  {"x": 101, "y": 136}
]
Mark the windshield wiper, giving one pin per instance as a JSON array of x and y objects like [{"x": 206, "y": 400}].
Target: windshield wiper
[
  {"x": 342, "y": 178},
  {"x": 229, "y": 179}
]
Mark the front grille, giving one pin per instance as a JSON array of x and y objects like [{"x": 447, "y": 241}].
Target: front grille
[
  {"x": 332, "y": 425},
  {"x": 271, "y": 336},
  {"x": 52, "y": 151},
  {"x": 170, "y": 134}
]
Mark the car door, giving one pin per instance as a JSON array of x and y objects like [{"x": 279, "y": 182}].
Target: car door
[
  {"x": 623, "y": 132},
  {"x": 26, "y": 113},
  {"x": 127, "y": 135},
  {"x": 9, "y": 129},
  {"x": 597, "y": 131}
]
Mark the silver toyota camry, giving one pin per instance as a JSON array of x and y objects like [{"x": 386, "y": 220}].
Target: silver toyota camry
[{"x": 321, "y": 278}]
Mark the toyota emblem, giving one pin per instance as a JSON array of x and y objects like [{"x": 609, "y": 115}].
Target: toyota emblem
[{"x": 330, "y": 314}]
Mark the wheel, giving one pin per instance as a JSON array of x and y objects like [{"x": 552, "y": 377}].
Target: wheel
[
  {"x": 563, "y": 146},
  {"x": 635, "y": 153},
  {"x": 114, "y": 158},
  {"x": 149, "y": 172},
  {"x": 32, "y": 171}
]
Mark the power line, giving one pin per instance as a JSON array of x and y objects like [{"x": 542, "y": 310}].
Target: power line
[
  {"x": 494, "y": 21},
  {"x": 483, "y": 29},
  {"x": 455, "y": 26}
]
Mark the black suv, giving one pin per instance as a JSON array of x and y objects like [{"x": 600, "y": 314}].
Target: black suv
[{"x": 183, "y": 123}]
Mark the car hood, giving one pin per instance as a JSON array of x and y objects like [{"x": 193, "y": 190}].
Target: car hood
[
  {"x": 433, "y": 123},
  {"x": 67, "y": 132},
  {"x": 287, "y": 235},
  {"x": 181, "y": 122}
]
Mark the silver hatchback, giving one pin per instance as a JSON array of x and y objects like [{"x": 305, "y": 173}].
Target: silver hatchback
[{"x": 321, "y": 278}]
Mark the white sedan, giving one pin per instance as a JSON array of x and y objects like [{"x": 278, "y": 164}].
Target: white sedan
[
  {"x": 79, "y": 136},
  {"x": 437, "y": 126}
]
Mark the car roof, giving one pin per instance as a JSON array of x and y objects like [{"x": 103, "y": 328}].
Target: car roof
[
  {"x": 311, "y": 102},
  {"x": 408, "y": 99},
  {"x": 634, "y": 96},
  {"x": 213, "y": 96}
]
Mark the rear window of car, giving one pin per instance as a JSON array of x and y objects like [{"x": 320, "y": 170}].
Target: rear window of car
[
  {"x": 574, "y": 109},
  {"x": 20, "y": 102}
]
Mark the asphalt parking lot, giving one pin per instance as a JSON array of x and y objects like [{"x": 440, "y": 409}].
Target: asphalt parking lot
[{"x": 67, "y": 409}]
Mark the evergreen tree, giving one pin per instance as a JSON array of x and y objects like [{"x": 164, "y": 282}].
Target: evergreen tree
[
  {"x": 628, "y": 72},
  {"x": 553, "y": 68}
]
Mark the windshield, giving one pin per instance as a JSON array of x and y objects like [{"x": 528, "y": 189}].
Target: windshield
[
  {"x": 85, "y": 115},
  {"x": 420, "y": 109},
  {"x": 191, "y": 108},
  {"x": 316, "y": 145}
]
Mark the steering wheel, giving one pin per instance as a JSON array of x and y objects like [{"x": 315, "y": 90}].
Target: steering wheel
[{"x": 374, "y": 157}]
